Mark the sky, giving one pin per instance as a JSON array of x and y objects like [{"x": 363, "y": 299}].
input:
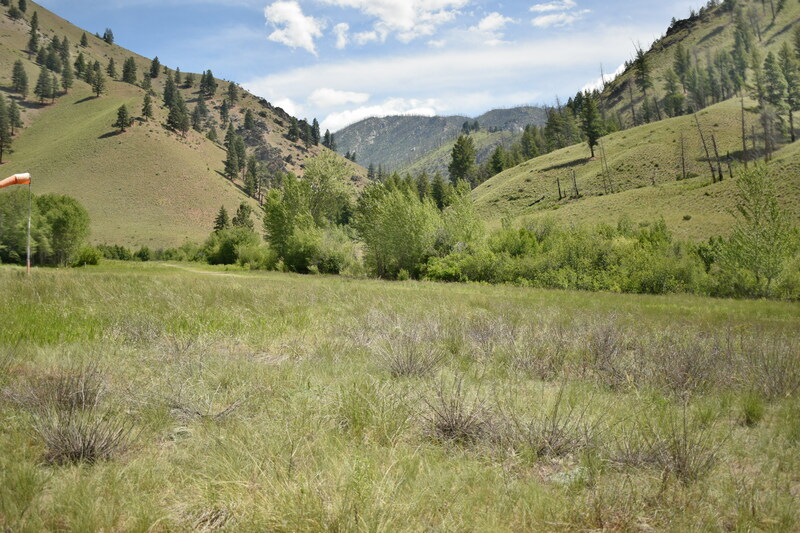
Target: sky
[{"x": 341, "y": 61}]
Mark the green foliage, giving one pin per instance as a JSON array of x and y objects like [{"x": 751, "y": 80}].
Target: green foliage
[
  {"x": 222, "y": 221},
  {"x": 591, "y": 122},
  {"x": 129, "y": 74},
  {"x": 155, "y": 68},
  {"x": 6, "y": 128},
  {"x": 68, "y": 222},
  {"x": 19, "y": 79},
  {"x": 463, "y": 159},
  {"x": 124, "y": 120},
  {"x": 14, "y": 228},
  {"x": 762, "y": 242},
  {"x": 87, "y": 256},
  {"x": 329, "y": 196},
  {"x": 222, "y": 246}
]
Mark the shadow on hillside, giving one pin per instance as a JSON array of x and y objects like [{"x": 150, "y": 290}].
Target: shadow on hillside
[
  {"x": 111, "y": 134},
  {"x": 82, "y": 100},
  {"x": 716, "y": 31},
  {"x": 784, "y": 30},
  {"x": 575, "y": 163},
  {"x": 239, "y": 187}
]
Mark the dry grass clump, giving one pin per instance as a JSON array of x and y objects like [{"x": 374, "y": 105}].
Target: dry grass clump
[
  {"x": 770, "y": 365},
  {"x": 682, "y": 363},
  {"x": 540, "y": 353},
  {"x": 406, "y": 354},
  {"x": 606, "y": 342},
  {"x": 560, "y": 429},
  {"x": 74, "y": 387},
  {"x": 456, "y": 416},
  {"x": 74, "y": 436}
]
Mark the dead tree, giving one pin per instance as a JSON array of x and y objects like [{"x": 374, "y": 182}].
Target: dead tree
[{"x": 705, "y": 147}]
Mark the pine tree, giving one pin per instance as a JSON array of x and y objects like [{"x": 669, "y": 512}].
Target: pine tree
[
  {"x": 294, "y": 131},
  {"x": 33, "y": 44},
  {"x": 315, "y": 134},
  {"x": 53, "y": 87},
  {"x": 188, "y": 81},
  {"x": 84, "y": 41},
  {"x": 23, "y": 5},
  {"x": 682, "y": 64},
  {"x": 592, "y": 123},
  {"x": 15, "y": 117},
  {"x": 462, "y": 159},
  {"x": 208, "y": 85},
  {"x": 249, "y": 120},
  {"x": 439, "y": 191},
  {"x": 147, "y": 107},
  {"x": 791, "y": 73},
  {"x": 63, "y": 51},
  {"x": 371, "y": 172},
  {"x": 497, "y": 163},
  {"x": 178, "y": 118},
  {"x": 333, "y": 142},
  {"x": 170, "y": 93},
  {"x": 232, "y": 163},
  {"x": 212, "y": 134},
  {"x": 108, "y": 36},
  {"x": 124, "y": 119},
  {"x": 326, "y": 140},
  {"x": 222, "y": 221},
  {"x": 178, "y": 77},
  {"x": 35, "y": 21},
  {"x": 775, "y": 82},
  {"x": 19, "y": 79},
  {"x": 673, "y": 101},
  {"x": 230, "y": 137},
  {"x": 111, "y": 69},
  {"x": 129, "y": 71},
  {"x": 14, "y": 13},
  {"x": 233, "y": 94},
  {"x": 98, "y": 81},
  {"x": 197, "y": 118},
  {"x": 241, "y": 152},
  {"x": 242, "y": 218},
  {"x": 224, "y": 112},
  {"x": 155, "y": 68},
  {"x": 5, "y": 129},
  {"x": 80, "y": 65},
  {"x": 43, "y": 89}
]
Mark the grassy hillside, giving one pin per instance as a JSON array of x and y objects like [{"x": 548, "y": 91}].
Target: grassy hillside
[
  {"x": 645, "y": 171},
  {"x": 407, "y": 143},
  {"x": 645, "y": 168},
  {"x": 281, "y": 407},
  {"x": 438, "y": 160},
  {"x": 148, "y": 186}
]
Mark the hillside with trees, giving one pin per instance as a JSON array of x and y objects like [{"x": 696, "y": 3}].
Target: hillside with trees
[
  {"x": 664, "y": 138},
  {"x": 150, "y": 151}
]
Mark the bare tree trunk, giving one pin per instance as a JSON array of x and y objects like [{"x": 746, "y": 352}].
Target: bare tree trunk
[
  {"x": 716, "y": 153},
  {"x": 560, "y": 196},
  {"x": 791, "y": 124},
  {"x": 575, "y": 184},
  {"x": 633, "y": 107},
  {"x": 705, "y": 147}
]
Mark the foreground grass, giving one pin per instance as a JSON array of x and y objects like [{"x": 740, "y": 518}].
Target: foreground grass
[{"x": 252, "y": 402}]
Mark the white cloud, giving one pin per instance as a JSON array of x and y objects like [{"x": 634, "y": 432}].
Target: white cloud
[
  {"x": 601, "y": 81},
  {"x": 493, "y": 22},
  {"x": 558, "y": 19},
  {"x": 365, "y": 37},
  {"x": 391, "y": 107},
  {"x": 563, "y": 5},
  {"x": 325, "y": 98},
  {"x": 289, "y": 106},
  {"x": 292, "y": 27},
  {"x": 437, "y": 44},
  {"x": 408, "y": 19},
  {"x": 340, "y": 31}
]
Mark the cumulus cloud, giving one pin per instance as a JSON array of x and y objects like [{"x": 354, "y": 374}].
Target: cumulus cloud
[
  {"x": 341, "y": 33},
  {"x": 556, "y": 14},
  {"x": 365, "y": 37},
  {"x": 292, "y": 27},
  {"x": 491, "y": 27},
  {"x": 325, "y": 98},
  {"x": 391, "y": 107},
  {"x": 407, "y": 19}
]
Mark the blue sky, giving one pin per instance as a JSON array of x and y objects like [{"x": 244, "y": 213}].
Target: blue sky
[{"x": 344, "y": 60}]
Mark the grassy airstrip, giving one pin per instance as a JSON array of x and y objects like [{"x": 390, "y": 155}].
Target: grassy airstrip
[{"x": 155, "y": 397}]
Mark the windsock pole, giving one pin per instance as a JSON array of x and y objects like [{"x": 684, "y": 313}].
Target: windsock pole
[{"x": 22, "y": 179}]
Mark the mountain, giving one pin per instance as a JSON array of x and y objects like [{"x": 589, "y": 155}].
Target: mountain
[
  {"x": 398, "y": 142},
  {"x": 643, "y": 179},
  {"x": 149, "y": 185}
]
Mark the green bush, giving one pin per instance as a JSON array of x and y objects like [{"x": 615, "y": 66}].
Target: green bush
[
  {"x": 257, "y": 257},
  {"x": 87, "y": 255},
  {"x": 222, "y": 246}
]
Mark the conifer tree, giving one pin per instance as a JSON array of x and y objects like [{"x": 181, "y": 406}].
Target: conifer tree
[
  {"x": 232, "y": 163},
  {"x": 111, "y": 69},
  {"x": 80, "y": 65},
  {"x": 170, "y": 93},
  {"x": 212, "y": 134},
  {"x": 188, "y": 81},
  {"x": 294, "y": 131},
  {"x": 147, "y": 107},
  {"x": 462, "y": 159},
  {"x": 242, "y": 218},
  {"x": 592, "y": 123},
  {"x": 178, "y": 118},
  {"x": 233, "y": 94},
  {"x": 147, "y": 82},
  {"x": 208, "y": 85},
  {"x": 326, "y": 140},
  {"x": 315, "y": 133},
  {"x": 5, "y": 129},
  {"x": 129, "y": 71},
  {"x": 124, "y": 119},
  {"x": 63, "y": 51},
  {"x": 682, "y": 64},
  {"x": 155, "y": 68},
  {"x": 15, "y": 117},
  {"x": 249, "y": 120},
  {"x": 791, "y": 73},
  {"x": 33, "y": 44},
  {"x": 19, "y": 79},
  {"x": 775, "y": 82},
  {"x": 673, "y": 101},
  {"x": 108, "y": 36},
  {"x": 178, "y": 77},
  {"x": 439, "y": 191},
  {"x": 84, "y": 41},
  {"x": 42, "y": 89},
  {"x": 197, "y": 118},
  {"x": 222, "y": 221},
  {"x": 230, "y": 136},
  {"x": 333, "y": 142},
  {"x": 67, "y": 80},
  {"x": 497, "y": 163},
  {"x": 241, "y": 152},
  {"x": 35, "y": 21},
  {"x": 53, "y": 87},
  {"x": 98, "y": 81},
  {"x": 371, "y": 172},
  {"x": 14, "y": 13},
  {"x": 23, "y": 5},
  {"x": 224, "y": 112}
]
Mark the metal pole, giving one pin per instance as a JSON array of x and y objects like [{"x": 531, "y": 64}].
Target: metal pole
[{"x": 30, "y": 201}]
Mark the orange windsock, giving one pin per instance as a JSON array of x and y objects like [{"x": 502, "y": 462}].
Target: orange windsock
[{"x": 16, "y": 179}]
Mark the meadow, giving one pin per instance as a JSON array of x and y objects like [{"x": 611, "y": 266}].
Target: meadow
[{"x": 159, "y": 397}]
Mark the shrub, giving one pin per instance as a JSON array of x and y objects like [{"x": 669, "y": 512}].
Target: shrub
[
  {"x": 87, "y": 255},
  {"x": 258, "y": 257},
  {"x": 143, "y": 254},
  {"x": 406, "y": 355},
  {"x": 222, "y": 246},
  {"x": 455, "y": 417}
]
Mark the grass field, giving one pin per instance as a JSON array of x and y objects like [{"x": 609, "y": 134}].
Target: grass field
[{"x": 230, "y": 401}]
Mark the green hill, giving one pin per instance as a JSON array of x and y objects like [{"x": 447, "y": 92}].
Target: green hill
[
  {"x": 149, "y": 185},
  {"x": 645, "y": 176},
  {"x": 485, "y": 143}
]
